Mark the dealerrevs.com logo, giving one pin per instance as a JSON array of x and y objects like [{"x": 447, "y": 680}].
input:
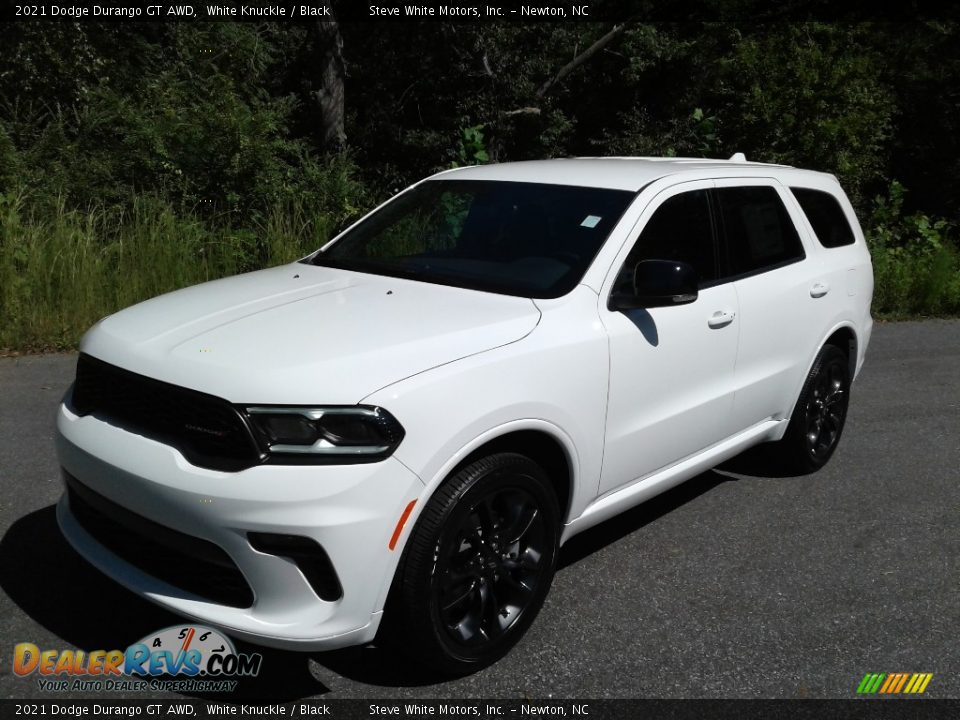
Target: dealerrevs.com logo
[{"x": 181, "y": 658}]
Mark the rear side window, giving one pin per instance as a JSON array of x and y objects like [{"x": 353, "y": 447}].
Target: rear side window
[
  {"x": 826, "y": 217},
  {"x": 759, "y": 232}
]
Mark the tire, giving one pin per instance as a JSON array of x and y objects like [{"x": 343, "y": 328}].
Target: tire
[
  {"x": 477, "y": 566},
  {"x": 820, "y": 413}
]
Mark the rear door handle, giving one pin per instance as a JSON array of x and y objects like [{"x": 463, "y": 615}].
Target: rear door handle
[
  {"x": 819, "y": 289},
  {"x": 721, "y": 318}
]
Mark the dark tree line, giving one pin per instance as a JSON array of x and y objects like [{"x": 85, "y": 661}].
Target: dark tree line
[{"x": 222, "y": 110}]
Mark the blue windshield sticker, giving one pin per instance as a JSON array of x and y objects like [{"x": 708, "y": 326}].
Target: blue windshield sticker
[{"x": 590, "y": 221}]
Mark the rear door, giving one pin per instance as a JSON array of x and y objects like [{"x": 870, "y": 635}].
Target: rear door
[{"x": 781, "y": 295}]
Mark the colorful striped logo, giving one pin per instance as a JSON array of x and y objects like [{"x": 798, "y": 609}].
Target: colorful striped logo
[{"x": 894, "y": 683}]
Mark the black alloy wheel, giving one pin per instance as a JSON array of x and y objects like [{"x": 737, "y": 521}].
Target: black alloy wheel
[
  {"x": 819, "y": 416},
  {"x": 490, "y": 566},
  {"x": 826, "y": 410},
  {"x": 477, "y": 566}
]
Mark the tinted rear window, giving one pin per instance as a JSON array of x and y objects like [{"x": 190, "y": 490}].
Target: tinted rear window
[
  {"x": 759, "y": 232},
  {"x": 826, "y": 217}
]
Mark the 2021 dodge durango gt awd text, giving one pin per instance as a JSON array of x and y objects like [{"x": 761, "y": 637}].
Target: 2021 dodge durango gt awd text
[{"x": 396, "y": 433}]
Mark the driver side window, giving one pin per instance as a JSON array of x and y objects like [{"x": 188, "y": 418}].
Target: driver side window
[{"x": 680, "y": 229}]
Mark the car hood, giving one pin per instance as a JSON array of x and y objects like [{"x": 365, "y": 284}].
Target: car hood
[{"x": 302, "y": 334}]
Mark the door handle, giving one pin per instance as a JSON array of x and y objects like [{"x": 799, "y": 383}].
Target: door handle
[
  {"x": 721, "y": 318},
  {"x": 819, "y": 289}
]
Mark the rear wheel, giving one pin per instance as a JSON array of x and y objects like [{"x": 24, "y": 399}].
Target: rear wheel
[
  {"x": 819, "y": 416},
  {"x": 478, "y": 564}
]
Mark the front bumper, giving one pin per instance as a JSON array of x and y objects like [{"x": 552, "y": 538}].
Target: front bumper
[{"x": 349, "y": 510}]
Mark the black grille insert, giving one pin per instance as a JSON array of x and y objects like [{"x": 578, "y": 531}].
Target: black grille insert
[
  {"x": 208, "y": 430},
  {"x": 184, "y": 561}
]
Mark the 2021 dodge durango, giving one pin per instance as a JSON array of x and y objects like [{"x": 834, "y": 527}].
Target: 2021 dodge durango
[{"x": 397, "y": 433}]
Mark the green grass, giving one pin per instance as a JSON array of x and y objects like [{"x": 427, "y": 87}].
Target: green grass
[
  {"x": 914, "y": 281},
  {"x": 62, "y": 269}
]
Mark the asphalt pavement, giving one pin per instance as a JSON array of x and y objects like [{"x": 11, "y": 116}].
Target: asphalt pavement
[{"x": 733, "y": 585}]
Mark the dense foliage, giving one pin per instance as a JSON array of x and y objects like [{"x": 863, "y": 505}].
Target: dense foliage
[{"x": 135, "y": 158}]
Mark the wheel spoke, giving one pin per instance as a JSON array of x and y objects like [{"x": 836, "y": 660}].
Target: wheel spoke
[
  {"x": 524, "y": 520},
  {"x": 488, "y": 518},
  {"x": 836, "y": 396},
  {"x": 469, "y": 589},
  {"x": 466, "y": 546},
  {"x": 468, "y": 626},
  {"x": 832, "y": 425},
  {"x": 456, "y": 577},
  {"x": 511, "y": 564},
  {"x": 483, "y": 599},
  {"x": 491, "y": 613},
  {"x": 516, "y": 584},
  {"x": 836, "y": 376},
  {"x": 530, "y": 560},
  {"x": 820, "y": 388}
]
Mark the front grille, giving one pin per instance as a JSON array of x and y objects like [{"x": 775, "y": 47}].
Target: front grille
[
  {"x": 208, "y": 430},
  {"x": 183, "y": 561}
]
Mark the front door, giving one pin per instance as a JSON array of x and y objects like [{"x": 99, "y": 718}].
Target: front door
[{"x": 671, "y": 368}]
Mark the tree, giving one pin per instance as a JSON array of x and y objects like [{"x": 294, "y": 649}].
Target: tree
[{"x": 329, "y": 94}]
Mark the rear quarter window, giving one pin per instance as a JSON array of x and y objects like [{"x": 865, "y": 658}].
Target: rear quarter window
[{"x": 826, "y": 217}]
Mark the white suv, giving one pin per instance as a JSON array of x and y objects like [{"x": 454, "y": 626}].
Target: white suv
[{"x": 398, "y": 432}]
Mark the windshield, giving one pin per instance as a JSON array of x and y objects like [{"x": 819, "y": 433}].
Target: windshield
[{"x": 527, "y": 239}]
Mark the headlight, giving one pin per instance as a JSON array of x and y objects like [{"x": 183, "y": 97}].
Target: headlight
[{"x": 325, "y": 434}]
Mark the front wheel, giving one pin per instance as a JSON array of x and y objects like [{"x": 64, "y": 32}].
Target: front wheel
[
  {"x": 819, "y": 416},
  {"x": 478, "y": 564}
]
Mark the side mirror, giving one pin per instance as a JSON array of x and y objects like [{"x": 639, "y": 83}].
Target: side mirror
[{"x": 658, "y": 283}]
